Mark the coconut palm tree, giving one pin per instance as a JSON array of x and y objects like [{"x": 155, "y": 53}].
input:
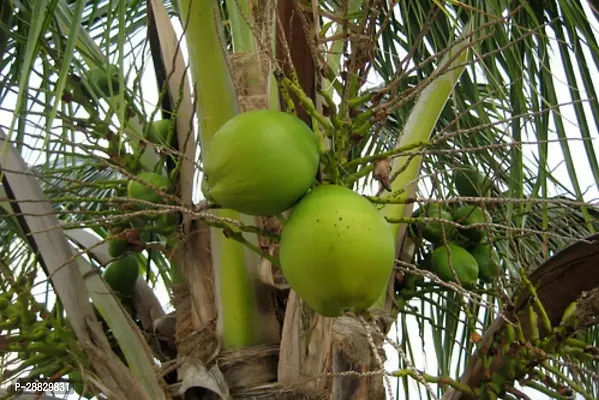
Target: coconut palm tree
[{"x": 467, "y": 125}]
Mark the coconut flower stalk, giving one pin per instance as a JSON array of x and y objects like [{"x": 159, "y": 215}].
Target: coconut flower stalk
[
  {"x": 217, "y": 103},
  {"x": 418, "y": 129}
]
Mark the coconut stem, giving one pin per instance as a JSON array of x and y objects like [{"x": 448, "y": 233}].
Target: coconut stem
[{"x": 216, "y": 97}]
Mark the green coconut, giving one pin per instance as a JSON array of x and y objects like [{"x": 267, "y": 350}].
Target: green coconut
[
  {"x": 469, "y": 182},
  {"x": 463, "y": 263},
  {"x": 260, "y": 163},
  {"x": 102, "y": 79},
  {"x": 468, "y": 215},
  {"x": 117, "y": 247},
  {"x": 159, "y": 131},
  {"x": 122, "y": 274},
  {"x": 487, "y": 260},
  {"x": 336, "y": 251},
  {"x": 437, "y": 232},
  {"x": 137, "y": 190}
]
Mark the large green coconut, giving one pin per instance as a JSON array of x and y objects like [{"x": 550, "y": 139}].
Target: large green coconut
[
  {"x": 487, "y": 260},
  {"x": 260, "y": 163},
  {"x": 122, "y": 274},
  {"x": 468, "y": 215},
  {"x": 118, "y": 244},
  {"x": 469, "y": 182},
  {"x": 450, "y": 261},
  {"x": 137, "y": 190},
  {"x": 337, "y": 251}
]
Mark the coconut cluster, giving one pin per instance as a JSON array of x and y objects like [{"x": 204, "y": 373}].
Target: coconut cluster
[
  {"x": 336, "y": 251},
  {"x": 462, "y": 255},
  {"x": 121, "y": 274}
]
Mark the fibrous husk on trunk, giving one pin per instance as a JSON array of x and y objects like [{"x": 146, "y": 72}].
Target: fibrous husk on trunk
[
  {"x": 250, "y": 76},
  {"x": 196, "y": 314},
  {"x": 305, "y": 347},
  {"x": 352, "y": 351},
  {"x": 197, "y": 342},
  {"x": 245, "y": 369}
]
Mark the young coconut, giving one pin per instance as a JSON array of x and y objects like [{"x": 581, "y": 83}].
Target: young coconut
[
  {"x": 260, "y": 163},
  {"x": 469, "y": 182},
  {"x": 118, "y": 243},
  {"x": 117, "y": 247},
  {"x": 122, "y": 274},
  {"x": 337, "y": 251},
  {"x": 488, "y": 262},
  {"x": 468, "y": 215},
  {"x": 451, "y": 260},
  {"x": 166, "y": 224},
  {"x": 159, "y": 131},
  {"x": 137, "y": 190},
  {"x": 436, "y": 232}
]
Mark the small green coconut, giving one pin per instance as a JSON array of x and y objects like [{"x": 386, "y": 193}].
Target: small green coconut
[
  {"x": 260, "y": 163},
  {"x": 488, "y": 261},
  {"x": 137, "y": 190},
  {"x": 437, "y": 232},
  {"x": 469, "y": 182},
  {"x": 117, "y": 247},
  {"x": 122, "y": 274},
  {"x": 132, "y": 163},
  {"x": 464, "y": 265},
  {"x": 468, "y": 215},
  {"x": 166, "y": 224},
  {"x": 159, "y": 131}
]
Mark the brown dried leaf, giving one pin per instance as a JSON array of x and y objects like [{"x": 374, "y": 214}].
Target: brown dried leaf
[{"x": 382, "y": 172}]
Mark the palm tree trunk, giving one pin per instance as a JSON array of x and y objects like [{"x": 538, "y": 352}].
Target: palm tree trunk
[{"x": 335, "y": 346}]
